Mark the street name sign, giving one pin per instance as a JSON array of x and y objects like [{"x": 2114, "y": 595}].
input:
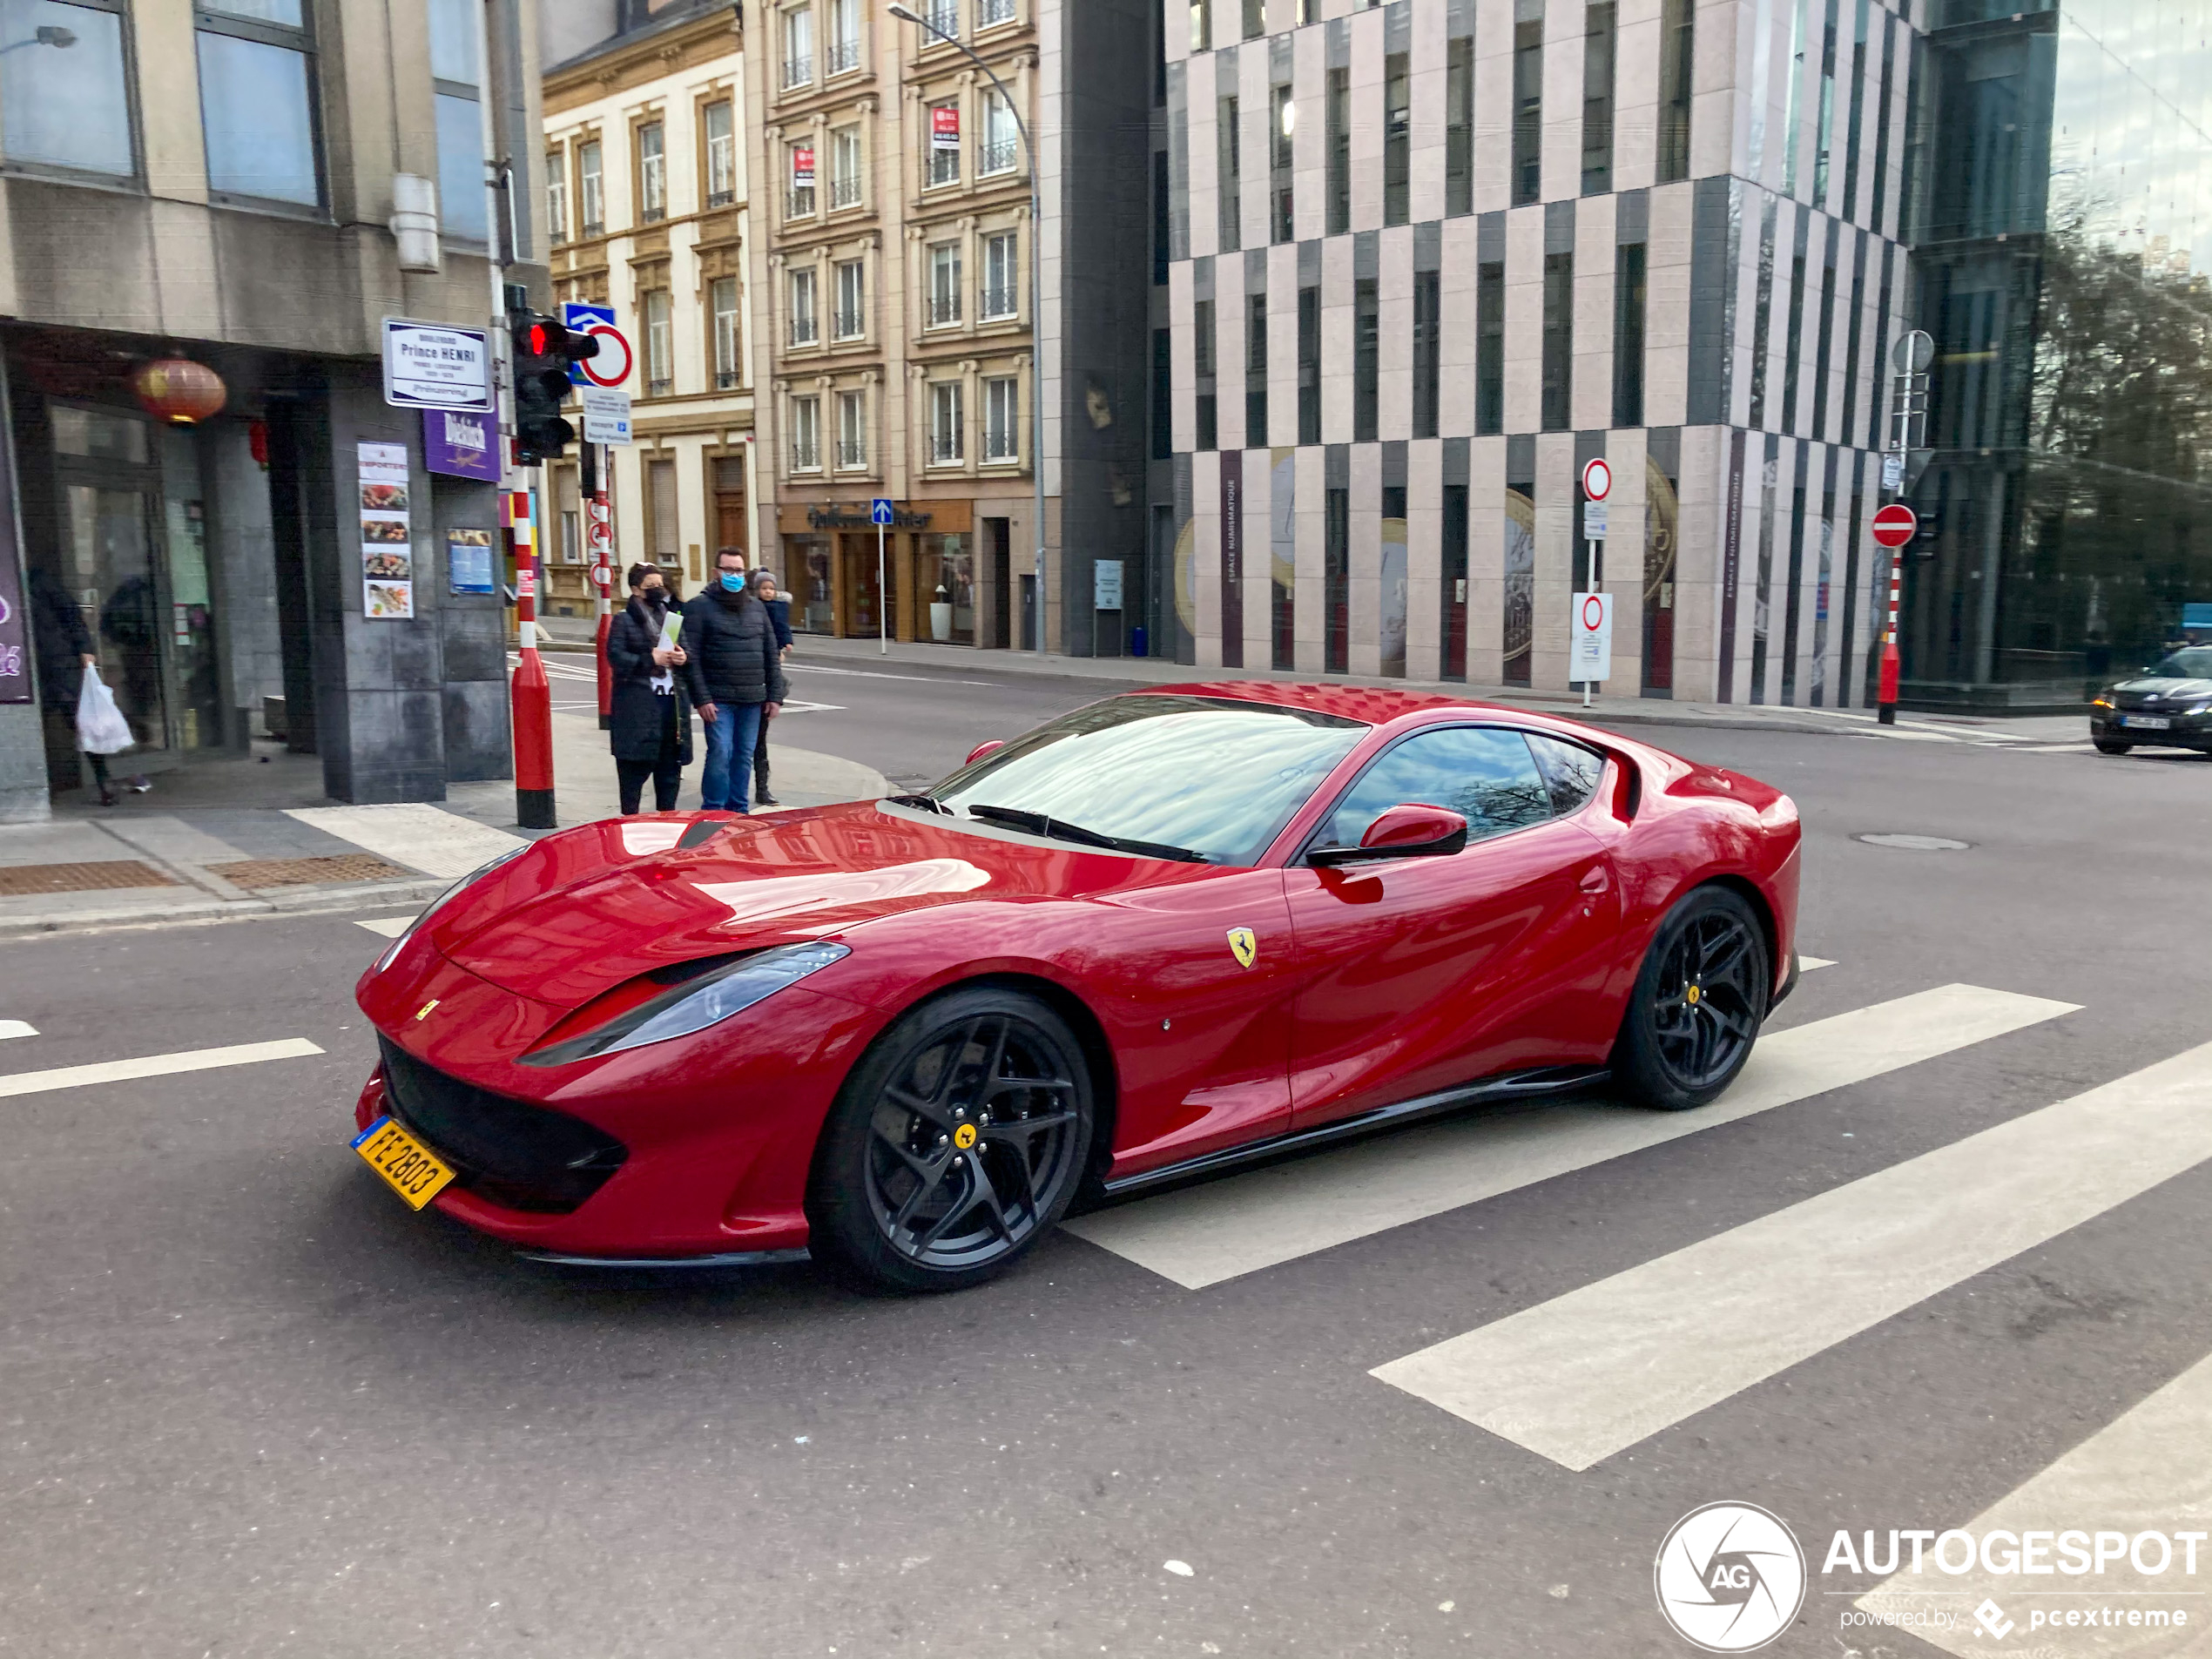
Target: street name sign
[{"x": 430, "y": 366}]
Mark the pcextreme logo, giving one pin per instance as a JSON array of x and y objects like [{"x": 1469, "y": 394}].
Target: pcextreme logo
[{"x": 1729, "y": 1577}]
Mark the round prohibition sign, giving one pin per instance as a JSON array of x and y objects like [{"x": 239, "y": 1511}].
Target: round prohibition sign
[
  {"x": 1895, "y": 525},
  {"x": 1593, "y": 612},
  {"x": 1597, "y": 479},
  {"x": 613, "y": 343}
]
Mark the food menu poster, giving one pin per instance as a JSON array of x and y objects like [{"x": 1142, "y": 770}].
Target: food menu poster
[{"x": 388, "y": 543}]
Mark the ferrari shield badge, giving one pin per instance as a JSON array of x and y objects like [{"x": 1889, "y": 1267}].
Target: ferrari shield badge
[{"x": 1244, "y": 946}]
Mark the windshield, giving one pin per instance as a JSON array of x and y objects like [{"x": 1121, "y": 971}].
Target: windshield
[
  {"x": 2195, "y": 664},
  {"x": 1219, "y": 777}
]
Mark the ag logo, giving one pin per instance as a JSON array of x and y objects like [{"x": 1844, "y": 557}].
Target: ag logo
[
  {"x": 1729, "y": 1577},
  {"x": 1244, "y": 945}
]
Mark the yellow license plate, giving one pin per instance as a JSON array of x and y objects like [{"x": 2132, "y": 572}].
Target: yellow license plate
[{"x": 411, "y": 1169}]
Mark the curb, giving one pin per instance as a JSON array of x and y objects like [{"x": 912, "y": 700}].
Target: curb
[{"x": 301, "y": 902}]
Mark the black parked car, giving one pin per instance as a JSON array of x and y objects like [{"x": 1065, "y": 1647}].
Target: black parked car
[{"x": 2168, "y": 705}]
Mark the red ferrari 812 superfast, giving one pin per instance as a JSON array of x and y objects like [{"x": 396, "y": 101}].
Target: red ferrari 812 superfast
[{"x": 1172, "y": 932}]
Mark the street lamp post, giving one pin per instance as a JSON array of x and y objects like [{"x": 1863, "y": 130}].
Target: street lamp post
[{"x": 1036, "y": 292}]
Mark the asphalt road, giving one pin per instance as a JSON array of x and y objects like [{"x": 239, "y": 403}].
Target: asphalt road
[{"x": 250, "y": 1405}]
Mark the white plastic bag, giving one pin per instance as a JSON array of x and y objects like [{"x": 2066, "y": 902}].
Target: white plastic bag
[{"x": 101, "y": 729}]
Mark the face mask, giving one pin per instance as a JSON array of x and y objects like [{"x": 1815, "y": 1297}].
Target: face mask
[
  {"x": 733, "y": 580},
  {"x": 654, "y": 596}
]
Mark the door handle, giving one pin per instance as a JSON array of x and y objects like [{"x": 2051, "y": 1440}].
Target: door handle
[{"x": 1595, "y": 879}]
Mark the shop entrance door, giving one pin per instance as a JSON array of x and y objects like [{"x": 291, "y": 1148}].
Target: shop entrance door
[
  {"x": 110, "y": 549},
  {"x": 863, "y": 597}
]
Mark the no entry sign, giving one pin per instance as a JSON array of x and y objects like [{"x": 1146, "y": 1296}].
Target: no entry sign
[{"x": 1895, "y": 525}]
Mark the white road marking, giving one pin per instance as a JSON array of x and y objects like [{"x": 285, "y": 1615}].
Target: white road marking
[
  {"x": 2127, "y": 1479},
  {"x": 1587, "y": 1374},
  {"x": 876, "y": 674},
  {"x": 1218, "y": 1230},
  {"x": 796, "y": 707},
  {"x": 1806, "y": 964},
  {"x": 434, "y": 841},
  {"x": 17, "y": 1029},
  {"x": 155, "y": 1065},
  {"x": 387, "y": 927}
]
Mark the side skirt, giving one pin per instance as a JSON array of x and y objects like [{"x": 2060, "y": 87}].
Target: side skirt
[{"x": 1514, "y": 1086}]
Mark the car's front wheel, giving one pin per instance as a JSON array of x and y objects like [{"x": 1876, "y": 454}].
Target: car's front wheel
[
  {"x": 2111, "y": 745},
  {"x": 1698, "y": 1003},
  {"x": 955, "y": 1144}
]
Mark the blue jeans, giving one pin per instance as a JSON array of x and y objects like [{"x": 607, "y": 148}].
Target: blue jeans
[{"x": 728, "y": 774}]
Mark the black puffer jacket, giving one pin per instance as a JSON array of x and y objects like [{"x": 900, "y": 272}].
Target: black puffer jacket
[{"x": 732, "y": 647}]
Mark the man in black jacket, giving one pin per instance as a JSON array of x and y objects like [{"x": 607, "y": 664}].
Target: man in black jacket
[{"x": 736, "y": 678}]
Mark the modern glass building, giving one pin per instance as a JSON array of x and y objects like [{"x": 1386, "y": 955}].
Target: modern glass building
[
  {"x": 2063, "y": 228},
  {"x": 1416, "y": 263}
]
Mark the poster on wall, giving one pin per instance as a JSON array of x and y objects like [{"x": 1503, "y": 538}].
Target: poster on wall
[
  {"x": 944, "y": 127},
  {"x": 388, "y": 544},
  {"x": 469, "y": 561}
]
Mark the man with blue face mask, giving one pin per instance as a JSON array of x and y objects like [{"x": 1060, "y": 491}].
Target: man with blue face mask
[{"x": 736, "y": 679}]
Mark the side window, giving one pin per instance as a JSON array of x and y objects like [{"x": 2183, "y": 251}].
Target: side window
[
  {"x": 1571, "y": 773},
  {"x": 1485, "y": 774}
]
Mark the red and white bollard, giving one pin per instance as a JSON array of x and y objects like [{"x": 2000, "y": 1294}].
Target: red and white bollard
[
  {"x": 602, "y": 541},
  {"x": 1886, "y": 715},
  {"x": 532, "y": 692}
]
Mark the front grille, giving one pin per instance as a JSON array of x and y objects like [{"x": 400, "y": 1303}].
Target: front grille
[{"x": 507, "y": 1153}]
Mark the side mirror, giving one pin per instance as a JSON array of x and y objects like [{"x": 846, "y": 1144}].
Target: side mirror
[
  {"x": 983, "y": 749},
  {"x": 1411, "y": 831}
]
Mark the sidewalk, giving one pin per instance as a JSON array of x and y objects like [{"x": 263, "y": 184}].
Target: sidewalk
[
  {"x": 1606, "y": 709},
  {"x": 185, "y": 852}
]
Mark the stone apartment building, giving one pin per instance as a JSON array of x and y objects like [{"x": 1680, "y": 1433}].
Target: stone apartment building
[
  {"x": 197, "y": 252},
  {"x": 647, "y": 210}
]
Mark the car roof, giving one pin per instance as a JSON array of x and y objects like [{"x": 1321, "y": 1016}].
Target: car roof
[{"x": 1372, "y": 705}]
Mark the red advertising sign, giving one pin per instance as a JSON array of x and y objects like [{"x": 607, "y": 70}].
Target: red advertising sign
[
  {"x": 1896, "y": 524},
  {"x": 802, "y": 167},
  {"x": 944, "y": 127}
]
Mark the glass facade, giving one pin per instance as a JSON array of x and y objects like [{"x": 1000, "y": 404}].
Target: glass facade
[{"x": 2061, "y": 231}]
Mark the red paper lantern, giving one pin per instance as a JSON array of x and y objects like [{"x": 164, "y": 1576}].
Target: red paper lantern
[{"x": 180, "y": 391}]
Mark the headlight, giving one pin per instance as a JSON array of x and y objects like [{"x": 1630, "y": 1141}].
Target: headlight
[
  {"x": 446, "y": 898},
  {"x": 695, "y": 1005},
  {"x": 2200, "y": 708}
]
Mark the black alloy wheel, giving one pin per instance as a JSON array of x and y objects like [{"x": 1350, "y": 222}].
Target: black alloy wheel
[
  {"x": 2111, "y": 745},
  {"x": 1697, "y": 1004},
  {"x": 956, "y": 1143}
]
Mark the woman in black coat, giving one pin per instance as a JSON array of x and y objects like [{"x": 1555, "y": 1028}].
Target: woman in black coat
[{"x": 651, "y": 721}]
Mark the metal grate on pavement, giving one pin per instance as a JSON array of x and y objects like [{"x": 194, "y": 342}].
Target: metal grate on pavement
[
  {"x": 303, "y": 873},
  {"x": 18, "y": 880}
]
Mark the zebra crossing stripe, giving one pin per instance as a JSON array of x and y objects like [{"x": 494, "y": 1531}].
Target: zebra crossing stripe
[
  {"x": 1589, "y": 1373},
  {"x": 1223, "y": 1229},
  {"x": 2124, "y": 1480}
]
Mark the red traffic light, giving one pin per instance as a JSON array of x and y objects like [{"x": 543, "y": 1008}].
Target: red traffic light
[{"x": 537, "y": 340}]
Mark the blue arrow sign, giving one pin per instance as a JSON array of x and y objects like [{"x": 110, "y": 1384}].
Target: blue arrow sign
[
  {"x": 880, "y": 512},
  {"x": 576, "y": 316}
]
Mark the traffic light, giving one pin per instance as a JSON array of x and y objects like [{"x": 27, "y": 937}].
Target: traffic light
[{"x": 544, "y": 352}]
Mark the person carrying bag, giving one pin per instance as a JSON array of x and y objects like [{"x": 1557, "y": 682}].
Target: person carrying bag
[{"x": 650, "y": 719}]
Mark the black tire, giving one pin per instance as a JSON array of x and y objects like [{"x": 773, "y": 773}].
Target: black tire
[
  {"x": 1699, "y": 998},
  {"x": 954, "y": 1145},
  {"x": 2111, "y": 745}
]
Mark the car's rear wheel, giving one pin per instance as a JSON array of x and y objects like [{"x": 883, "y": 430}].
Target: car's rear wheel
[
  {"x": 955, "y": 1144},
  {"x": 2111, "y": 745},
  {"x": 1698, "y": 1003}
]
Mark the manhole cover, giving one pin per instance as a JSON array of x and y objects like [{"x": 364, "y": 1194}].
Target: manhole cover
[
  {"x": 1916, "y": 843},
  {"x": 303, "y": 873},
  {"x": 17, "y": 880}
]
